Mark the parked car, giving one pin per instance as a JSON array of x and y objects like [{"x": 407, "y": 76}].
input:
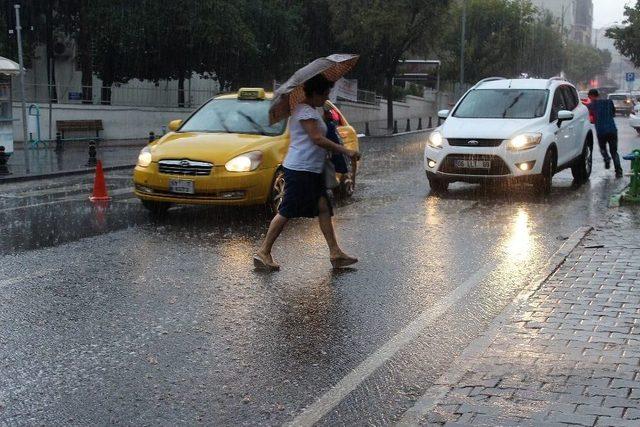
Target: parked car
[
  {"x": 634, "y": 122},
  {"x": 526, "y": 129},
  {"x": 623, "y": 102},
  {"x": 584, "y": 97},
  {"x": 225, "y": 153}
]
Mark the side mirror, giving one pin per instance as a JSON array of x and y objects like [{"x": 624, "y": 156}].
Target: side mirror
[
  {"x": 174, "y": 125},
  {"x": 443, "y": 114},
  {"x": 563, "y": 116}
]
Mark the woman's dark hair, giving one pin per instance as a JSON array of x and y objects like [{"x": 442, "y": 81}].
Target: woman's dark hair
[
  {"x": 318, "y": 84},
  {"x": 594, "y": 93}
]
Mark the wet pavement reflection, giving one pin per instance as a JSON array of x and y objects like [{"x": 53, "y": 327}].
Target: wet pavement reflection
[{"x": 164, "y": 321}]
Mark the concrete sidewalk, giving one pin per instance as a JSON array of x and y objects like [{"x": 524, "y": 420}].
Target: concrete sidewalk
[
  {"x": 570, "y": 355},
  {"x": 45, "y": 162}
]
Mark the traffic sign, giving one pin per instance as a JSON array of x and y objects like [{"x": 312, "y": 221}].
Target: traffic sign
[{"x": 630, "y": 77}]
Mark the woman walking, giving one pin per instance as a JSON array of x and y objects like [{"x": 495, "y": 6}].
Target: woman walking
[{"x": 305, "y": 192}]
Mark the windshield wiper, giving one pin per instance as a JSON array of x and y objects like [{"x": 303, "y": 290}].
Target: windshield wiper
[
  {"x": 255, "y": 124},
  {"x": 515, "y": 101},
  {"x": 222, "y": 122}
]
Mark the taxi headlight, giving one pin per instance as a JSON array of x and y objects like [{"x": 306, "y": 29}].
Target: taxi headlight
[
  {"x": 524, "y": 141},
  {"x": 245, "y": 162},
  {"x": 436, "y": 140},
  {"x": 144, "y": 158}
]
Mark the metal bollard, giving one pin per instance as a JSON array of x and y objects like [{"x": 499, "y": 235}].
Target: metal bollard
[
  {"x": 395, "y": 126},
  {"x": 92, "y": 154},
  {"x": 419, "y": 123},
  {"x": 633, "y": 192},
  {"x": 58, "y": 141},
  {"x": 366, "y": 129},
  {"x": 408, "y": 128},
  {"x": 152, "y": 136},
  {"x": 430, "y": 123},
  {"x": 4, "y": 169}
]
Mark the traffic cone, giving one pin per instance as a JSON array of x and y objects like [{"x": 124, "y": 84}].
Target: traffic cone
[{"x": 99, "y": 186}]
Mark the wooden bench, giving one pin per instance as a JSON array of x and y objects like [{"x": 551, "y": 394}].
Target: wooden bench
[{"x": 79, "y": 125}]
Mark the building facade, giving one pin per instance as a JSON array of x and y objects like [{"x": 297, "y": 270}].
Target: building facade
[{"x": 575, "y": 16}]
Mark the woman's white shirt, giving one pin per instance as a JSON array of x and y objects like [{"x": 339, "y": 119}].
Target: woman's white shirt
[{"x": 304, "y": 154}]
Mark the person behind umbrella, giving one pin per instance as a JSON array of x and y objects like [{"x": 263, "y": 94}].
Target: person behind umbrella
[
  {"x": 305, "y": 194},
  {"x": 332, "y": 120},
  {"x": 603, "y": 112}
]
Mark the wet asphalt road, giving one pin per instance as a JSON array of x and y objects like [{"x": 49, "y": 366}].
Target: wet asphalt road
[{"x": 110, "y": 317}]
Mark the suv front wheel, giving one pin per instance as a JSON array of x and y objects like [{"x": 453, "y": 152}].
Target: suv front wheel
[
  {"x": 542, "y": 183},
  {"x": 581, "y": 170},
  {"x": 438, "y": 185}
]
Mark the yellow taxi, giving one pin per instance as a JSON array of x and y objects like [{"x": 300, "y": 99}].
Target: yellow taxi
[{"x": 225, "y": 153}]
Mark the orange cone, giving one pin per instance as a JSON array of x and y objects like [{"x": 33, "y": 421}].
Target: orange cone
[{"x": 99, "y": 186}]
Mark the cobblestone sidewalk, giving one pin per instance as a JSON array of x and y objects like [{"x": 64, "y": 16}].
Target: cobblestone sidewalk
[{"x": 571, "y": 354}]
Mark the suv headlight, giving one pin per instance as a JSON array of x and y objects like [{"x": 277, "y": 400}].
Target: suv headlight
[
  {"x": 524, "y": 141},
  {"x": 144, "y": 158},
  {"x": 436, "y": 140},
  {"x": 244, "y": 162}
]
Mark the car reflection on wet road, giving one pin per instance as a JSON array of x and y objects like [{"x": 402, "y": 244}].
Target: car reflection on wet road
[{"x": 109, "y": 315}]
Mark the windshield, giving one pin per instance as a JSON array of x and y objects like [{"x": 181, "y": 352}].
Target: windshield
[
  {"x": 234, "y": 116},
  {"x": 503, "y": 104},
  {"x": 618, "y": 97}
]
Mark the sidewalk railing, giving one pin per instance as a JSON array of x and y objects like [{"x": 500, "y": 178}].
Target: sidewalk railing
[{"x": 115, "y": 95}]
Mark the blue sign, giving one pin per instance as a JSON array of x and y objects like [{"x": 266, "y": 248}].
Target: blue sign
[
  {"x": 630, "y": 77},
  {"x": 75, "y": 96}
]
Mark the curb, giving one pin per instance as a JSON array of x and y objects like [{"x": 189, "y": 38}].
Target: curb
[
  {"x": 23, "y": 178},
  {"x": 399, "y": 134},
  {"x": 466, "y": 360}
]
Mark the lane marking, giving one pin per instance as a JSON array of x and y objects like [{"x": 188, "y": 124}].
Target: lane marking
[
  {"x": 330, "y": 399},
  {"x": 465, "y": 361},
  {"x": 35, "y": 275},
  {"x": 116, "y": 192}
]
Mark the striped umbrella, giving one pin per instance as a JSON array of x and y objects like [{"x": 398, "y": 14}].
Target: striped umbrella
[{"x": 291, "y": 93}]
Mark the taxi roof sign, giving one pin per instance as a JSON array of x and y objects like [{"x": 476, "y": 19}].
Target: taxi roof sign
[{"x": 251, "y": 93}]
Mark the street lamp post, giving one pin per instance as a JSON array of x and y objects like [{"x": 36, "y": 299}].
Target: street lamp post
[{"x": 22, "y": 93}]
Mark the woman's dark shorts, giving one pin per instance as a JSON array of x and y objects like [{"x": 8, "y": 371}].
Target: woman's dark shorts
[{"x": 302, "y": 193}]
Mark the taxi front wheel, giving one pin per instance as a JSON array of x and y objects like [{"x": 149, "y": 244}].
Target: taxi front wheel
[
  {"x": 277, "y": 192},
  {"x": 156, "y": 208}
]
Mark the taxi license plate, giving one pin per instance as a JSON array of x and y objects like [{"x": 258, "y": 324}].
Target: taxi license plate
[
  {"x": 181, "y": 186},
  {"x": 472, "y": 164}
]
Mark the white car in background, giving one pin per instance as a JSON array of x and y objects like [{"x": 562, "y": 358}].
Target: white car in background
[
  {"x": 526, "y": 129},
  {"x": 634, "y": 119}
]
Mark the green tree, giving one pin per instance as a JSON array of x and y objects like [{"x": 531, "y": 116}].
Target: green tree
[
  {"x": 627, "y": 38},
  {"x": 383, "y": 32},
  {"x": 583, "y": 63},
  {"x": 29, "y": 18},
  {"x": 504, "y": 38},
  {"x": 116, "y": 53}
]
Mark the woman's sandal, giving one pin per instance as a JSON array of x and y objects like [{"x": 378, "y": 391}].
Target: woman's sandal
[
  {"x": 262, "y": 264},
  {"x": 343, "y": 261}
]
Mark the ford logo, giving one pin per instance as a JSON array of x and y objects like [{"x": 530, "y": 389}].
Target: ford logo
[{"x": 472, "y": 142}]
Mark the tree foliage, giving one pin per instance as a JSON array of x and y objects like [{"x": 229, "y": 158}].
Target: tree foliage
[
  {"x": 509, "y": 38},
  {"x": 383, "y": 32},
  {"x": 627, "y": 38},
  {"x": 583, "y": 63}
]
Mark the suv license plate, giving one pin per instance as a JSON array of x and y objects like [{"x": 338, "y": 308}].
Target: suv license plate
[
  {"x": 181, "y": 186},
  {"x": 473, "y": 164}
]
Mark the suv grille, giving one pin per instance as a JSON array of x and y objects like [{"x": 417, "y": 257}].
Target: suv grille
[
  {"x": 464, "y": 142},
  {"x": 498, "y": 166},
  {"x": 185, "y": 167}
]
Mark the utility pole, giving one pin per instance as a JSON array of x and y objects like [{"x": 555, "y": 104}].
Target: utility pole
[
  {"x": 22, "y": 93},
  {"x": 463, "y": 37}
]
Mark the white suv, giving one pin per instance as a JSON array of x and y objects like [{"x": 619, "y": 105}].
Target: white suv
[{"x": 515, "y": 129}]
